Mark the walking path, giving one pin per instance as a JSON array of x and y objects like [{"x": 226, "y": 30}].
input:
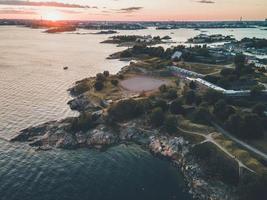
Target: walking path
[
  {"x": 241, "y": 143},
  {"x": 209, "y": 138}
]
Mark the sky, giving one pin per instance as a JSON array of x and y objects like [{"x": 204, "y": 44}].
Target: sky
[{"x": 134, "y": 10}]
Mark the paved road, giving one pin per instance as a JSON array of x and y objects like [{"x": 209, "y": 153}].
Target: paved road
[{"x": 241, "y": 143}]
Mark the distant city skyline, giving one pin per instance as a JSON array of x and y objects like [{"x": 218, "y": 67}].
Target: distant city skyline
[{"x": 138, "y": 10}]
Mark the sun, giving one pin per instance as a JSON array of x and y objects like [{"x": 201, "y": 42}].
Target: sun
[{"x": 52, "y": 15}]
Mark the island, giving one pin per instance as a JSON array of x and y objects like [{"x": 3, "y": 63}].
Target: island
[
  {"x": 178, "y": 107},
  {"x": 204, "y": 38},
  {"x": 61, "y": 29},
  {"x": 131, "y": 40}
]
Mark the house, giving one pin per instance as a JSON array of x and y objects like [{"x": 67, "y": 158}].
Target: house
[{"x": 177, "y": 55}]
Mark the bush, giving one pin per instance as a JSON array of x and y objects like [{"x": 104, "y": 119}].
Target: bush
[
  {"x": 98, "y": 86},
  {"x": 190, "y": 97},
  {"x": 227, "y": 72},
  {"x": 100, "y": 77},
  {"x": 81, "y": 88},
  {"x": 157, "y": 117},
  {"x": 247, "y": 126},
  {"x": 222, "y": 110},
  {"x": 253, "y": 187},
  {"x": 170, "y": 124},
  {"x": 126, "y": 54},
  {"x": 176, "y": 107},
  {"x": 259, "y": 109},
  {"x": 120, "y": 76},
  {"x": 114, "y": 82},
  {"x": 212, "y": 96},
  {"x": 125, "y": 110},
  {"x": 256, "y": 90},
  {"x": 163, "y": 88},
  {"x": 177, "y": 82},
  {"x": 171, "y": 93},
  {"x": 201, "y": 115},
  {"x": 162, "y": 104},
  {"x": 192, "y": 85},
  {"x": 106, "y": 73},
  {"x": 83, "y": 122}
]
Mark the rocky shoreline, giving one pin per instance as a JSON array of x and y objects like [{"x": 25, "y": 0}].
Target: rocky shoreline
[{"x": 55, "y": 134}]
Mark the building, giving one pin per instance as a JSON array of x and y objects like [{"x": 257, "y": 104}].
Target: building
[
  {"x": 177, "y": 71},
  {"x": 177, "y": 55}
]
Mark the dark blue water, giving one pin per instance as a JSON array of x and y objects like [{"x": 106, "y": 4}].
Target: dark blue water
[{"x": 120, "y": 173}]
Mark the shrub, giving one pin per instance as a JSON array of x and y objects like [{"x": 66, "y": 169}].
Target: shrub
[
  {"x": 98, "y": 85},
  {"x": 170, "y": 124},
  {"x": 253, "y": 187},
  {"x": 162, "y": 104},
  {"x": 100, "y": 77},
  {"x": 201, "y": 115},
  {"x": 212, "y": 96},
  {"x": 176, "y": 107},
  {"x": 125, "y": 110},
  {"x": 81, "y": 88},
  {"x": 259, "y": 109},
  {"x": 114, "y": 82},
  {"x": 83, "y": 122},
  {"x": 120, "y": 76},
  {"x": 247, "y": 126},
  {"x": 126, "y": 54},
  {"x": 163, "y": 88},
  {"x": 106, "y": 73},
  {"x": 157, "y": 117},
  {"x": 256, "y": 90},
  {"x": 177, "y": 82},
  {"x": 190, "y": 97},
  {"x": 171, "y": 93},
  {"x": 192, "y": 85}
]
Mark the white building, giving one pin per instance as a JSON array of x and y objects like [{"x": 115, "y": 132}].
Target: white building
[{"x": 177, "y": 55}]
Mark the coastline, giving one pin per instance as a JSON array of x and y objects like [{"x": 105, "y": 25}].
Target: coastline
[{"x": 56, "y": 134}]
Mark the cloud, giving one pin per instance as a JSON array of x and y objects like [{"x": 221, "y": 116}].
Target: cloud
[
  {"x": 46, "y": 4},
  {"x": 130, "y": 9},
  {"x": 205, "y": 1},
  {"x": 15, "y": 12}
]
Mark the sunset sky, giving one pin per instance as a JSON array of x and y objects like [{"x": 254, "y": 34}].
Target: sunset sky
[{"x": 121, "y": 10}]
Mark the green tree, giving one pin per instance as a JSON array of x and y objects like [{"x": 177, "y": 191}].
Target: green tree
[
  {"x": 252, "y": 127},
  {"x": 211, "y": 96},
  {"x": 157, "y": 117},
  {"x": 190, "y": 97},
  {"x": 256, "y": 90},
  {"x": 259, "y": 109},
  {"x": 114, "y": 82},
  {"x": 170, "y": 124},
  {"x": 125, "y": 109},
  {"x": 100, "y": 77},
  {"x": 99, "y": 85},
  {"x": 162, "y": 104},
  {"x": 192, "y": 85},
  {"x": 106, "y": 73},
  {"x": 239, "y": 60},
  {"x": 176, "y": 107},
  {"x": 171, "y": 93}
]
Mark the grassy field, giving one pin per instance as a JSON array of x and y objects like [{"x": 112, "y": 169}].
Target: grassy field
[
  {"x": 201, "y": 68},
  {"x": 243, "y": 155}
]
